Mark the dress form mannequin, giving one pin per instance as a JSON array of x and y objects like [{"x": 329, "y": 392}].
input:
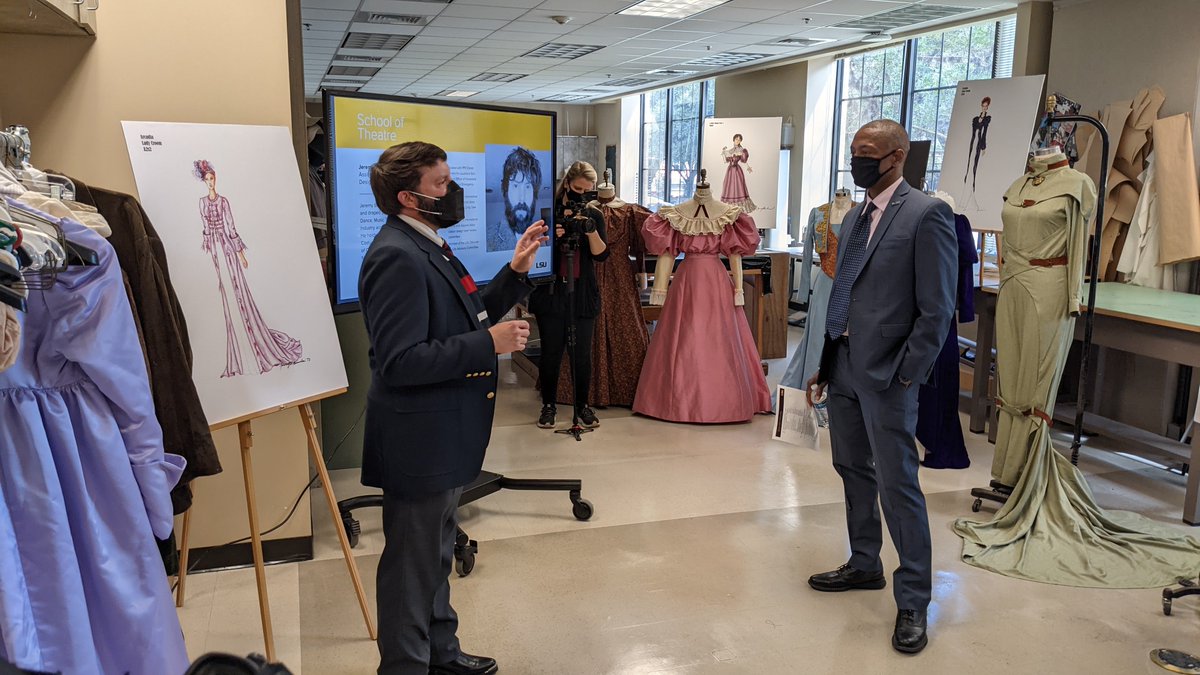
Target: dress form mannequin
[
  {"x": 840, "y": 206},
  {"x": 702, "y": 214},
  {"x": 606, "y": 192}
]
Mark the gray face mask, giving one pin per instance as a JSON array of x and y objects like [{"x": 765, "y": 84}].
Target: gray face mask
[{"x": 447, "y": 210}]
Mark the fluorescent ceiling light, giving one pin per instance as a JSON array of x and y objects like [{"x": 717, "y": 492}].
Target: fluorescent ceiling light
[
  {"x": 452, "y": 93},
  {"x": 876, "y": 37},
  {"x": 671, "y": 9}
]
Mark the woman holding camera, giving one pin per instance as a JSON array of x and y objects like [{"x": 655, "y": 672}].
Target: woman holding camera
[{"x": 580, "y": 228}]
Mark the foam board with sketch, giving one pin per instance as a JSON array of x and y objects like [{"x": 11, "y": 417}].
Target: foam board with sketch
[
  {"x": 228, "y": 204},
  {"x": 741, "y": 156},
  {"x": 987, "y": 144}
]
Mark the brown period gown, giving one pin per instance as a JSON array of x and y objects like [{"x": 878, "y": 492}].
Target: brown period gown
[{"x": 621, "y": 339}]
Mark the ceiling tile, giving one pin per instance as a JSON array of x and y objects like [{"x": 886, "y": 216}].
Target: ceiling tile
[
  {"x": 403, "y": 7},
  {"x": 460, "y": 22},
  {"x": 385, "y": 29},
  {"x": 307, "y": 14},
  {"x": 865, "y": 7},
  {"x": 329, "y": 4},
  {"x": 622, "y": 21},
  {"x": 732, "y": 12}
]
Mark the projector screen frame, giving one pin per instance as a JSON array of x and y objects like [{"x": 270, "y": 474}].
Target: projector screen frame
[{"x": 327, "y": 97}]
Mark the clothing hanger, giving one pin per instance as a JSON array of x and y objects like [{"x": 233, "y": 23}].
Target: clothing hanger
[
  {"x": 12, "y": 298},
  {"x": 73, "y": 253}
]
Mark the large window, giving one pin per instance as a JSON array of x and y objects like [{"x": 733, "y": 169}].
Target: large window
[
  {"x": 672, "y": 126},
  {"x": 914, "y": 84}
]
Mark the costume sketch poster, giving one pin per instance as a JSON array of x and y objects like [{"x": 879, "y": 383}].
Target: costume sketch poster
[
  {"x": 741, "y": 155},
  {"x": 228, "y": 204},
  {"x": 987, "y": 144}
]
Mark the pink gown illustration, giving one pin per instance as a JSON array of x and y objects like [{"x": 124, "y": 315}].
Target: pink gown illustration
[
  {"x": 735, "y": 191},
  {"x": 271, "y": 348}
]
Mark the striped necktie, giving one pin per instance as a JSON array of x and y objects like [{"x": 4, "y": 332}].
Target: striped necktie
[{"x": 838, "y": 316}]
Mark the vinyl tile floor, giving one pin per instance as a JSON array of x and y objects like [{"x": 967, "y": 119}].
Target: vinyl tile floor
[{"x": 695, "y": 562}]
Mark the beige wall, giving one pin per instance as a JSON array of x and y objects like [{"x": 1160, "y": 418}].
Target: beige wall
[
  {"x": 772, "y": 92},
  {"x": 219, "y": 61}
]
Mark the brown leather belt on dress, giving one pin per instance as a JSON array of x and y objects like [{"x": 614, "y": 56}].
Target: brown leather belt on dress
[
  {"x": 1025, "y": 412},
  {"x": 1049, "y": 262}
]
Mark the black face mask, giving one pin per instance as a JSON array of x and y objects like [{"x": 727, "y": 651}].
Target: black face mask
[
  {"x": 865, "y": 170},
  {"x": 447, "y": 210}
]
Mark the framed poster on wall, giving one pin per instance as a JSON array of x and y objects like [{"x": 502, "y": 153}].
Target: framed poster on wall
[{"x": 741, "y": 156}]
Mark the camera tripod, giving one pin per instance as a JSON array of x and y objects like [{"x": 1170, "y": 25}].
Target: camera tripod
[{"x": 576, "y": 430}]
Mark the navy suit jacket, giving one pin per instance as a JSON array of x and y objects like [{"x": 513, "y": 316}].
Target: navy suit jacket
[
  {"x": 902, "y": 301},
  {"x": 433, "y": 364}
]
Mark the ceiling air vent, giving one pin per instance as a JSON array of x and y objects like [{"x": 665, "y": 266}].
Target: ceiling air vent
[
  {"x": 559, "y": 50},
  {"x": 360, "y": 59},
  {"x": 385, "y": 19},
  {"x": 338, "y": 86},
  {"x": 497, "y": 77},
  {"x": 800, "y": 42},
  {"x": 353, "y": 71},
  {"x": 626, "y": 82},
  {"x": 563, "y": 98},
  {"x": 725, "y": 60},
  {"x": 375, "y": 41},
  {"x": 903, "y": 18},
  {"x": 667, "y": 72}
]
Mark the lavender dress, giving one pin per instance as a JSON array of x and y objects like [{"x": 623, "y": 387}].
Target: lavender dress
[
  {"x": 84, "y": 487},
  {"x": 735, "y": 191},
  {"x": 271, "y": 347}
]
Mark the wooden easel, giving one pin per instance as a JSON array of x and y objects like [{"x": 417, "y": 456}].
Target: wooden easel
[{"x": 246, "y": 441}]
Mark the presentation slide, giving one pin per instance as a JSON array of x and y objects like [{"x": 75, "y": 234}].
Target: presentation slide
[{"x": 502, "y": 158}]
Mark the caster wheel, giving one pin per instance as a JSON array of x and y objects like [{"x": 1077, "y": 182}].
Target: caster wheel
[
  {"x": 1167, "y": 606},
  {"x": 582, "y": 509},
  {"x": 353, "y": 530},
  {"x": 464, "y": 565},
  {"x": 977, "y": 505}
]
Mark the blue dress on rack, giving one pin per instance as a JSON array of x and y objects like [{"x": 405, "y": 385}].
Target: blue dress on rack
[{"x": 84, "y": 486}]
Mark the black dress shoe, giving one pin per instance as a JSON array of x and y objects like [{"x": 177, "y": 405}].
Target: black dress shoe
[
  {"x": 465, "y": 664},
  {"x": 846, "y": 578},
  {"x": 910, "y": 636}
]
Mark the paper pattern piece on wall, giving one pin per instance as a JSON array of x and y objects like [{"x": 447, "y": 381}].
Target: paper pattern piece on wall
[
  {"x": 987, "y": 144},
  {"x": 741, "y": 156},
  {"x": 573, "y": 149},
  {"x": 228, "y": 204}
]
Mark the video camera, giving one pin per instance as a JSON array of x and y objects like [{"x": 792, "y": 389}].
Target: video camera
[{"x": 571, "y": 216}]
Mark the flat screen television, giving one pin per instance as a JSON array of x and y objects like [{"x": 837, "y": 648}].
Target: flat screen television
[{"x": 503, "y": 158}]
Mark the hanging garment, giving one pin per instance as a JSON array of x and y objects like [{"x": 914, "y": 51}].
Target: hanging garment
[
  {"x": 939, "y": 428},
  {"x": 702, "y": 365},
  {"x": 163, "y": 333},
  {"x": 735, "y": 191},
  {"x": 1051, "y": 529},
  {"x": 620, "y": 340},
  {"x": 84, "y": 487},
  {"x": 10, "y": 337},
  {"x": 822, "y": 239}
]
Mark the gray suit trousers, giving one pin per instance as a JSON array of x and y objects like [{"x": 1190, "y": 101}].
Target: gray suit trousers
[
  {"x": 417, "y": 625},
  {"x": 875, "y": 453}
]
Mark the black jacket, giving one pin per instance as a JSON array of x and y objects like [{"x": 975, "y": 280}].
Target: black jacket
[
  {"x": 433, "y": 364},
  {"x": 550, "y": 299}
]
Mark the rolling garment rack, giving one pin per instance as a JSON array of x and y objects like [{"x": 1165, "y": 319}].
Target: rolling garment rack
[{"x": 996, "y": 492}]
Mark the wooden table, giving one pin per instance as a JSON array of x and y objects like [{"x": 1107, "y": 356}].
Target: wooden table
[{"x": 1159, "y": 324}]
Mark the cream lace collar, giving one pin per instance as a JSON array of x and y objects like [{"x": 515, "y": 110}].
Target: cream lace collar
[{"x": 693, "y": 217}]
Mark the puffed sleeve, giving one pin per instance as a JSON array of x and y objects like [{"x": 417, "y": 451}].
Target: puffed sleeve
[
  {"x": 659, "y": 237},
  {"x": 97, "y": 332},
  {"x": 740, "y": 237}
]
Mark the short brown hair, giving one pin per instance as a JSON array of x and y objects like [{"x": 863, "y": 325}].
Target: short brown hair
[{"x": 399, "y": 168}]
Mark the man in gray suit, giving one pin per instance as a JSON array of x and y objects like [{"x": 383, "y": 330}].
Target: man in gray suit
[{"x": 891, "y": 305}]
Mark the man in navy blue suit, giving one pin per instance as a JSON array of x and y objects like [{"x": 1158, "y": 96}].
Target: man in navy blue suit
[
  {"x": 889, "y": 312},
  {"x": 434, "y": 340}
]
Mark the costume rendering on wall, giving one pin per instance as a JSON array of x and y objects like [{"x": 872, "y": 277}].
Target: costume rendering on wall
[
  {"x": 620, "y": 339},
  {"x": 1051, "y": 528},
  {"x": 271, "y": 348},
  {"x": 987, "y": 143},
  {"x": 741, "y": 156},
  {"x": 193, "y": 179},
  {"x": 702, "y": 365},
  {"x": 821, "y": 237}
]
